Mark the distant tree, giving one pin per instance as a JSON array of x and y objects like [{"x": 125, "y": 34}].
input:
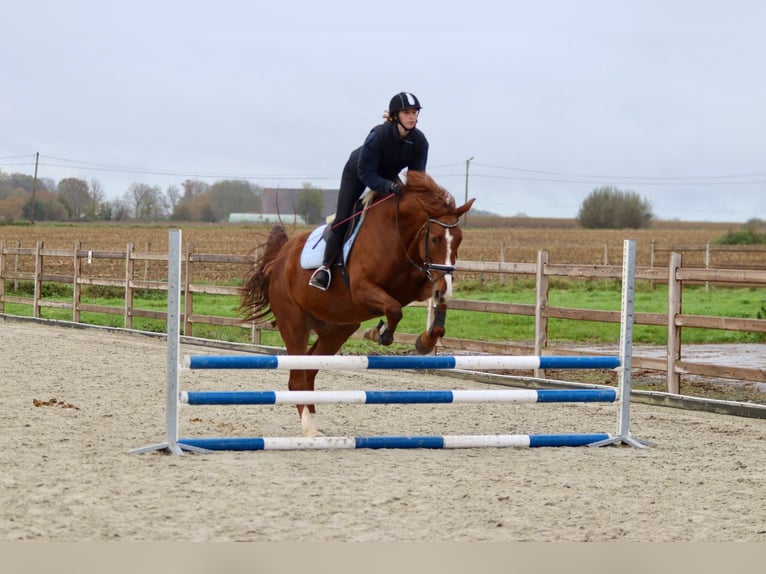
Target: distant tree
[
  {"x": 97, "y": 207},
  {"x": 195, "y": 208},
  {"x": 23, "y": 181},
  {"x": 120, "y": 210},
  {"x": 193, "y": 188},
  {"x": 46, "y": 183},
  {"x": 46, "y": 207},
  {"x": 75, "y": 196},
  {"x": 11, "y": 209},
  {"x": 749, "y": 234},
  {"x": 233, "y": 196},
  {"x": 755, "y": 223},
  {"x": 611, "y": 208},
  {"x": 182, "y": 211},
  {"x": 147, "y": 202},
  {"x": 174, "y": 195},
  {"x": 310, "y": 204}
]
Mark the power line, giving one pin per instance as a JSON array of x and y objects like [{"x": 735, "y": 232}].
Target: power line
[
  {"x": 622, "y": 177},
  {"x": 662, "y": 183},
  {"x": 93, "y": 166},
  {"x": 557, "y": 177},
  {"x": 29, "y": 156}
]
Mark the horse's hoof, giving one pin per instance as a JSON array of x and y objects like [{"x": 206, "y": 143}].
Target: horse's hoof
[
  {"x": 421, "y": 347},
  {"x": 380, "y": 334}
]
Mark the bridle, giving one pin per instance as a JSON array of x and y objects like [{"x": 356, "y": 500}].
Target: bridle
[{"x": 427, "y": 265}]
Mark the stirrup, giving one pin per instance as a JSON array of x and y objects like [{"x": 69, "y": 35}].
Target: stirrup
[{"x": 318, "y": 278}]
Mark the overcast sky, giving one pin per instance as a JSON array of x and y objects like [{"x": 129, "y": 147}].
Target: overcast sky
[{"x": 552, "y": 98}]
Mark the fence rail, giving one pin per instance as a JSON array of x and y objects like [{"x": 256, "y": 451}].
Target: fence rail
[{"x": 29, "y": 265}]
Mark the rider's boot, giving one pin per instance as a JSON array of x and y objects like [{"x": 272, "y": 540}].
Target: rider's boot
[{"x": 322, "y": 277}]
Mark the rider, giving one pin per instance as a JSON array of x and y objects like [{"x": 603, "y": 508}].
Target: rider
[{"x": 387, "y": 150}]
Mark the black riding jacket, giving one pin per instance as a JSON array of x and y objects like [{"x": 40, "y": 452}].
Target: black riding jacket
[
  {"x": 385, "y": 153},
  {"x": 375, "y": 165}
]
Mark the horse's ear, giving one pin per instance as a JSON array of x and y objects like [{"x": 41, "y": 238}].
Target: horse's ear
[{"x": 464, "y": 208}]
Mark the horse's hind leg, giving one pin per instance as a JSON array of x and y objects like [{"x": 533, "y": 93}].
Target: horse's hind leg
[
  {"x": 329, "y": 341},
  {"x": 304, "y": 381}
]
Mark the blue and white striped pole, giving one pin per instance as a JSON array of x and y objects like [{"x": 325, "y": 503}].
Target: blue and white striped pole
[
  {"x": 394, "y": 442},
  {"x": 398, "y": 397},
  {"x": 352, "y": 362}
]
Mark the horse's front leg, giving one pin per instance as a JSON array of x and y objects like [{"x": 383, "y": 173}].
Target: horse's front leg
[
  {"x": 383, "y": 333},
  {"x": 427, "y": 340}
]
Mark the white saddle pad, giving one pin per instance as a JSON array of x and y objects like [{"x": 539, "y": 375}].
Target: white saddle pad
[{"x": 313, "y": 251}]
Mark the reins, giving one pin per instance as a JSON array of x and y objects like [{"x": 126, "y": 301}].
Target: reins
[
  {"x": 335, "y": 224},
  {"x": 361, "y": 211}
]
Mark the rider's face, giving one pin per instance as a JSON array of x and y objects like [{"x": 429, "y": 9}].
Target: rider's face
[{"x": 408, "y": 118}]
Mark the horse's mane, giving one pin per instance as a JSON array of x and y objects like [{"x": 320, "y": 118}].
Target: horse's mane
[{"x": 436, "y": 199}]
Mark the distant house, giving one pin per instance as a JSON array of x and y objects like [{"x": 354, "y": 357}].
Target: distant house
[
  {"x": 266, "y": 218},
  {"x": 283, "y": 200}
]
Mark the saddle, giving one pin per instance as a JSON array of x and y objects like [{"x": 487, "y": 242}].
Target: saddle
[{"x": 313, "y": 250}]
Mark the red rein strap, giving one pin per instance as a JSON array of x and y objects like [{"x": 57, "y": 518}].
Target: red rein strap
[{"x": 353, "y": 215}]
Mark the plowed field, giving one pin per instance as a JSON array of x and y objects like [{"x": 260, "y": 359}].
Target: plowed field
[{"x": 519, "y": 241}]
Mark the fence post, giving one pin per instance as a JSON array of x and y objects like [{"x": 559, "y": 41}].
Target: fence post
[
  {"x": 2, "y": 275},
  {"x": 187, "y": 293},
  {"x": 127, "y": 316},
  {"x": 675, "y": 292},
  {"x": 38, "y": 280},
  {"x": 501, "y": 276},
  {"x": 146, "y": 261},
  {"x": 707, "y": 265},
  {"x": 541, "y": 302},
  {"x": 76, "y": 288},
  {"x": 651, "y": 262},
  {"x": 16, "y": 267}
]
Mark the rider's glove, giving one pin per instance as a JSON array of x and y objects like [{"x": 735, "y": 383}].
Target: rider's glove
[{"x": 395, "y": 188}]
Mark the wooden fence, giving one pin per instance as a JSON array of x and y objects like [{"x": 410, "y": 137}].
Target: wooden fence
[{"x": 147, "y": 270}]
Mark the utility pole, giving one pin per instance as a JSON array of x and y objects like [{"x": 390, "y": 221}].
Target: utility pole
[
  {"x": 465, "y": 215},
  {"x": 34, "y": 186}
]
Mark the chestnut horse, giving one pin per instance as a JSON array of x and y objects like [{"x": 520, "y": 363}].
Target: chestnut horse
[{"x": 404, "y": 251}]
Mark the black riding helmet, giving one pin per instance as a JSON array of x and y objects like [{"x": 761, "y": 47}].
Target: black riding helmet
[{"x": 403, "y": 101}]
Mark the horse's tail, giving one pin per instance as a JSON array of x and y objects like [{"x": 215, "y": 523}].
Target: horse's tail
[{"x": 254, "y": 299}]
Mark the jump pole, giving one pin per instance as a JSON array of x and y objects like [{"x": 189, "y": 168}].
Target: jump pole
[
  {"x": 354, "y": 362},
  {"x": 375, "y": 442},
  {"x": 409, "y": 397}
]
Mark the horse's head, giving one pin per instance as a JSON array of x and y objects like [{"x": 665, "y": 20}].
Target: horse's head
[{"x": 434, "y": 219}]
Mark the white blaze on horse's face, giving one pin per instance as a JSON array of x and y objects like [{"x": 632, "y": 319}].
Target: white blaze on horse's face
[{"x": 445, "y": 294}]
